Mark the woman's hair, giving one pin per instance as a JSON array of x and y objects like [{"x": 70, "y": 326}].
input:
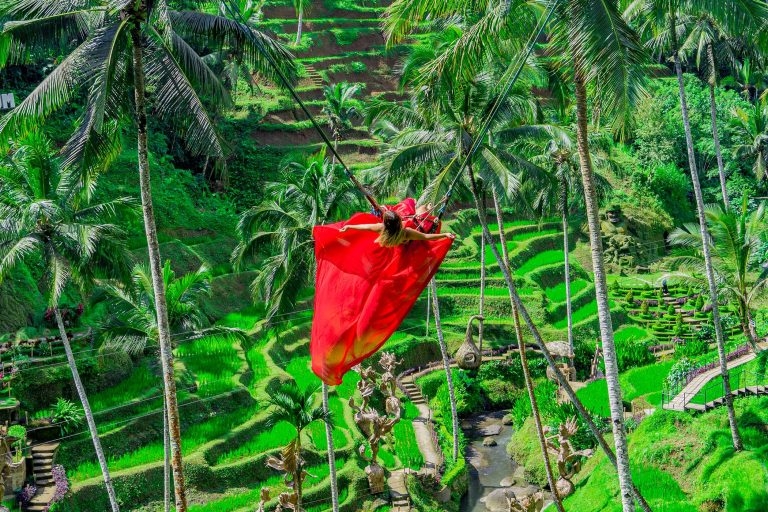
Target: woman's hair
[{"x": 393, "y": 232}]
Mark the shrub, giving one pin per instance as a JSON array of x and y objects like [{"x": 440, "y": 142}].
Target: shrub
[
  {"x": 631, "y": 353},
  {"x": 671, "y": 310},
  {"x": 501, "y": 394},
  {"x": 679, "y": 372},
  {"x": 67, "y": 415},
  {"x": 692, "y": 348},
  {"x": 644, "y": 308},
  {"x": 706, "y": 333},
  {"x": 630, "y": 296}
]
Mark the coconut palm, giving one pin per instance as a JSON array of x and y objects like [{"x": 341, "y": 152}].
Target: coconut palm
[
  {"x": 132, "y": 325},
  {"x": 736, "y": 237},
  {"x": 296, "y": 407},
  {"x": 308, "y": 192},
  {"x": 340, "y": 108},
  {"x": 752, "y": 126},
  {"x": 301, "y": 7},
  {"x": 660, "y": 21},
  {"x": 711, "y": 46},
  {"x": 47, "y": 221},
  {"x": 606, "y": 53},
  {"x": 561, "y": 192},
  {"x": 124, "y": 48}
]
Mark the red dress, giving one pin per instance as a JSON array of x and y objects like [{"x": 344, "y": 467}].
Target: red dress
[{"x": 363, "y": 291}]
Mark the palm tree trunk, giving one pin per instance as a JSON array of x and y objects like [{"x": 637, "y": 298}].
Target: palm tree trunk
[
  {"x": 429, "y": 305},
  {"x": 523, "y": 356},
  {"x": 155, "y": 267},
  {"x": 87, "y": 410},
  {"x": 481, "y": 304},
  {"x": 447, "y": 366},
  {"x": 567, "y": 272},
  {"x": 301, "y": 20},
  {"x": 514, "y": 298},
  {"x": 535, "y": 409},
  {"x": 603, "y": 306},
  {"x": 166, "y": 460},
  {"x": 331, "y": 453},
  {"x": 710, "y": 271},
  {"x": 715, "y": 135}
]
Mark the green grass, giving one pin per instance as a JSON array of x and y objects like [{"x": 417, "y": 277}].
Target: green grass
[
  {"x": 299, "y": 369},
  {"x": 635, "y": 383},
  {"x": 263, "y": 440},
  {"x": 540, "y": 260},
  {"x": 215, "y": 362},
  {"x": 244, "y": 319},
  {"x": 406, "y": 447},
  {"x": 192, "y": 438},
  {"x": 588, "y": 310},
  {"x": 141, "y": 383},
  {"x": 631, "y": 333},
  {"x": 557, "y": 293}
]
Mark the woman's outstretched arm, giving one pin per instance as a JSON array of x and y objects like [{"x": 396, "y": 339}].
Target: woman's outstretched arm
[
  {"x": 363, "y": 227},
  {"x": 412, "y": 234}
]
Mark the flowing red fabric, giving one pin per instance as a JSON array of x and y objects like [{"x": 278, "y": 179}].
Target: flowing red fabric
[{"x": 363, "y": 291}]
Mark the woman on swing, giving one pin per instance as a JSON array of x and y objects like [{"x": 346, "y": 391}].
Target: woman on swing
[{"x": 402, "y": 223}]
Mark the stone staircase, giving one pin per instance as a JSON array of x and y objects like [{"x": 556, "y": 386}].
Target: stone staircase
[
  {"x": 42, "y": 464},
  {"x": 313, "y": 76}
]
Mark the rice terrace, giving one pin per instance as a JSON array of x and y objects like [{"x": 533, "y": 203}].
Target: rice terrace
[{"x": 383, "y": 255}]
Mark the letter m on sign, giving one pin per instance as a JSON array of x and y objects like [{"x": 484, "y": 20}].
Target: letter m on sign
[{"x": 6, "y": 101}]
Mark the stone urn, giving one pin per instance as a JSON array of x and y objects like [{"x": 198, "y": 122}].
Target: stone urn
[{"x": 469, "y": 357}]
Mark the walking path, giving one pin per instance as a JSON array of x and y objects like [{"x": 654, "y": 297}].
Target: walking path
[{"x": 682, "y": 401}]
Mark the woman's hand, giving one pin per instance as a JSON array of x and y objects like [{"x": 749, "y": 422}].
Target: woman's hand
[
  {"x": 452, "y": 236},
  {"x": 343, "y": 229}
]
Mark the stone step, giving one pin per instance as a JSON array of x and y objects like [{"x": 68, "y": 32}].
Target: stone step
[
  {"x": 45, "y": 448},
  {"x": 46, "y": 480}
]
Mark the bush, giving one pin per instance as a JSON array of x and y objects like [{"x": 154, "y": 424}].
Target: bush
[
  {"x": 692, "y": 348},
  {"x": 500, "y": 394},
  {"x": 631, "y": 353},
  {"x": 679, "y": 372}
]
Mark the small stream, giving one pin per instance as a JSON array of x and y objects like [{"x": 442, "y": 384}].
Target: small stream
[{"x": 488, "y": 465}]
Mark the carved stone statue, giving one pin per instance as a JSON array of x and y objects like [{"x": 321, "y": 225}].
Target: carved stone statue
[
  {"x": 374, "y": 424},
  {"x": 568, "y": 459},
  {"x": 530, "y": 503},
  {"x": 263, "y": 499}
]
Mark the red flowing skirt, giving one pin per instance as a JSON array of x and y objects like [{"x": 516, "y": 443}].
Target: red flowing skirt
[{"x": 363, "y": 291}]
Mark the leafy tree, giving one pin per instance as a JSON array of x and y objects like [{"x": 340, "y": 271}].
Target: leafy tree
[
  {"x": 295, "y": 406},
  {"x": 123, "y": 49},
  {"x": 735, "y": 238},
  {"x": 132, "y": 325},
  {"x": 340, "y": 108},
  {"x": 308, "y": 192},
  {"x": 47, "y": 221},
  {"x": 752, "y": 125},
  {"x": 562, "y": 193},
  {"x": 660, "y": 21}
]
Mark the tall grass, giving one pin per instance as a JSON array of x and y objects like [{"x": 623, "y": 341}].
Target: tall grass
[
  {"x": 140, "y": 384},
  {"x": 192, "y": 438},
  {"x": 278, "y": 436},
  {"x": 557, "y": 293},
  {"x": 406, "y": 447},
  {"x": 540, "y": 260},
  {"x": 215, "y": 362}
]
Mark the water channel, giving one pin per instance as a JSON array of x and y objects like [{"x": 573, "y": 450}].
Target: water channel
[{"x": 489, "y": 466}]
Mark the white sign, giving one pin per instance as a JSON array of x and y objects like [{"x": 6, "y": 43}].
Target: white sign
[{"x": 6, "y": 101}]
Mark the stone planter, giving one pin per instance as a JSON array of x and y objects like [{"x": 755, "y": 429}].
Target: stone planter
[{"x": 15, "y": 480}]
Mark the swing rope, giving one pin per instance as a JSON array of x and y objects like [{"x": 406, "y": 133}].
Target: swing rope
[{"x": 509, "y": 79}]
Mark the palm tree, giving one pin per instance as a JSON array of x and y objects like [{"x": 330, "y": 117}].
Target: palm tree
[
  {"x": 607, "y": 53},
  {"x": 46, "y": 220},
  {"x": 446, "y": 368},
  {"x": 660, "y": 19},
  {"x": 309, "y": 193},
  {"x": 752, "y": 125},
  {"x": 735, "y": 239},
  {"x": 340, "y": 108},
  {"x": 296, "y": 406},
  {"x": 711, "y": 45},
  {"x": 124, "y": 48},
  {"x": 132, "y": 325},
  {"x": 301, "y": 7},
  {"x": 562, "y": 192}
]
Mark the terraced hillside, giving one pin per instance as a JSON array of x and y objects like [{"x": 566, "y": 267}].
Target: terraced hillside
[{"x": 340, "y": 43}]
